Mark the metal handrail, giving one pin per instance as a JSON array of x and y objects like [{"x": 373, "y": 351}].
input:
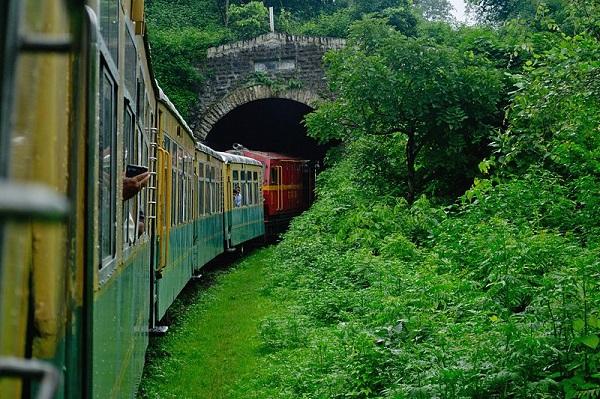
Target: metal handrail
[
  {"x": 30, "y": 368},
  {"x": 27, "y": 201}
]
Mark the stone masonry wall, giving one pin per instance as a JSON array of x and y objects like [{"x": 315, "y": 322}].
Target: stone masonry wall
[{"x": 290, "y": 67}]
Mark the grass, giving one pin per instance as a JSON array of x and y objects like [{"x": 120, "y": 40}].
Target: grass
[{"x": 213, "y": 344}]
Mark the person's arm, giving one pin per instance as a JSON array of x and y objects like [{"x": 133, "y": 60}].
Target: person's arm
[{"x": 133, "y": 185}]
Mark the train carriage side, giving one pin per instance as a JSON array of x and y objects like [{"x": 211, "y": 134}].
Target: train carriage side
[
  {"x": 119, "y": 233},
  {"x": 244, "y": 213},
  {"x": 208, "y": 220},
  {"x": 175, "y": 229},
  {"x": 41, "y": 273},
  {"x": 288, "y": 187}
]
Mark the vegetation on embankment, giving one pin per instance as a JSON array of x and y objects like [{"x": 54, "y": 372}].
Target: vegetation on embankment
[
  {"x": 454, "y": 248},
  {"x": 489, "y": 289},
  {"x": 213, "y": 341}
]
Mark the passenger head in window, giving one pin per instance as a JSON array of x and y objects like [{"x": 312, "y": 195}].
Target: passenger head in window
[{"x": 237, "y": 197}]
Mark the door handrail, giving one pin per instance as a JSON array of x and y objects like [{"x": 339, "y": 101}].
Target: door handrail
[{"x": 31, "y": 368}]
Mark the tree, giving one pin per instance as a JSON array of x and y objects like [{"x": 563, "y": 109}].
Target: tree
[
  {"x": 249, "y": 20},
  {"x": 435, "y": 10},
  {"x": 442, "y": 101}
]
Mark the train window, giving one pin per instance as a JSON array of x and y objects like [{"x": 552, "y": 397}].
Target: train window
[
  {"x": 130, "y": 66},
  {"x": 236, "y": 176},
  {"x": 201, "y": 189},
  {"x": 256, "y": 193},
  {"x": 173, "y": 183},
  {"x": 107, "y": 163},
  {"x": 129, "y": 157},
  {"x": 274, "y": 176},
  {"x": 213, "y": 207},
  {"x": 208, "y": 191},
  {"x": 180, "y": 185},
  {"x": 109, "y": 26}
]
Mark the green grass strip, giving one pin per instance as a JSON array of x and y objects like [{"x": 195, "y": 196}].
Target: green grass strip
[{"x": 214, "y": 343}]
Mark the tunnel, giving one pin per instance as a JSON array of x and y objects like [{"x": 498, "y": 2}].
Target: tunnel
[{"x": 273, "y": 124}]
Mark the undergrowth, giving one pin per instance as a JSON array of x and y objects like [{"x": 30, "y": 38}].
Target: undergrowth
[{"x": 494, "y": 297}]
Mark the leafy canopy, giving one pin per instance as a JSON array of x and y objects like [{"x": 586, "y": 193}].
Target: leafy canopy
[{"x": 442, "y": 100}]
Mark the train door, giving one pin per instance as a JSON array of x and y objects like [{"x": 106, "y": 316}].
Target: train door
[{"x": 163, "y": 228}]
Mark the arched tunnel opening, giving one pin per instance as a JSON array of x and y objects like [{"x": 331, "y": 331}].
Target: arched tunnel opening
[{"x": 273, "y": 125}]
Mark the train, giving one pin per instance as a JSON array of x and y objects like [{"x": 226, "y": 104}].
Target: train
[{"x": 90, "y": 258}]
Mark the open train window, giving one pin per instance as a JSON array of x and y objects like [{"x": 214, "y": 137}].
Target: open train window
[
  {"x": 130, "y": 156},
  {"x": 107, "y": 167}
]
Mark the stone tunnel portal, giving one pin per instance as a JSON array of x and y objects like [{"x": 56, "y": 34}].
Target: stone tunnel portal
[{"x": 273, "y": 124}]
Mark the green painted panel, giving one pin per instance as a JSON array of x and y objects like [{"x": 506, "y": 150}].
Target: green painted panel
[
  {"x": 121, "y": 311},
  {"x": 179, "y": 267},
  {"x": 208, "y": 239},
  {"x": 246, "y": 223}
]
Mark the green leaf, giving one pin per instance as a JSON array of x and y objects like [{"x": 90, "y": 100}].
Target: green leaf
[
  {"x": 578, "y": 325},
  {"x": 591, "y": 341}
]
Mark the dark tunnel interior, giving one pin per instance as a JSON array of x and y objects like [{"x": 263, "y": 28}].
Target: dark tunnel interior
[{"x": 267, "y": 125}]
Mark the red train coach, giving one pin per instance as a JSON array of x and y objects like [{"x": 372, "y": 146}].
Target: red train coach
[{"x": 288, "y": 187}]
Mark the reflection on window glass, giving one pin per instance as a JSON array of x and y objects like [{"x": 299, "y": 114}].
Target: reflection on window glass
[
  {"x": 109, "y": 26},
  {"x": 107, "y": 168},
  {"x": 130, "y": 67}
]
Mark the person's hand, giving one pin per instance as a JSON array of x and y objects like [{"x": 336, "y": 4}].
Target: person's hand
[{"x": 133, "y": 185}]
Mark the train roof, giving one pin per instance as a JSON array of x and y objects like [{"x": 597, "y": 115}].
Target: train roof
[
  {"x": 232, "y": 158},
  {"x": 207, "y": 150}
]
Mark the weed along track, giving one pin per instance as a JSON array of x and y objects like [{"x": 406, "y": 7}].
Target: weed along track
[{"x": 213, "y": 344}]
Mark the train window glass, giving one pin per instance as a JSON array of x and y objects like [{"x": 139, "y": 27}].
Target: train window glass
[
  {"x": 180, "y": 185},
  {"x": 201, "y": 189},
  {"x": 255, "y": 176},
  {"x": 207, "y": 192},
  {"x": 236, "y": 176},
  {"x": 273, "y": 176},
  {"x": 141, "y": 98},
  {"x": 173, "y": 183},
  {"x": 107, "y": 163},
  {"x": 213, "y": 207},
  {"x": 129, "y": 157},
  {"x": 109, "y": 26},
  {"x": 244, "y": 188},
  {"x": 130, "y": 66}
]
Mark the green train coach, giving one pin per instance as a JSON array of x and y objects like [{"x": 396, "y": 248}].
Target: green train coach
[{"x": 87, "y": 269}]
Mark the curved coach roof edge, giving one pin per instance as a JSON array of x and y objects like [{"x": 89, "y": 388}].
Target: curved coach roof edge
[
  {"x": 207, "y": 150},
  {"x": 231, "y": 158}
]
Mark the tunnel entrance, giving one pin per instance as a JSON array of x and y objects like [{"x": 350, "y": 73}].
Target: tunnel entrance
[{"x": 267, "y": 125}]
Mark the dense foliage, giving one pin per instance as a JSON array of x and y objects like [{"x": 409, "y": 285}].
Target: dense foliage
[
  {"x": 454, "y": 250},
  {"x": 494, "y": 293}
]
